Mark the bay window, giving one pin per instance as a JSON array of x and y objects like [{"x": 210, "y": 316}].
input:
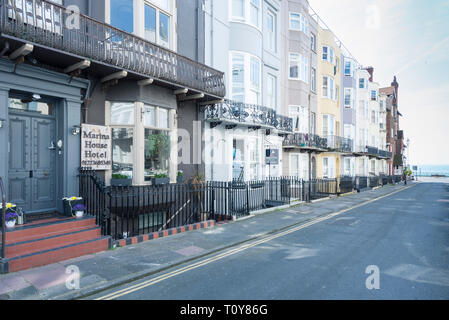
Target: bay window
[
  {"x": 373, "y": 95},
  {"x": 298, "y": 22},
  {"x": 238, "y": 9},
  {"x": 329, "y": 129},
  {"x": 294, "y": 65},
  {"x": 141, "y": 146},
  {"x": 348, "y": 68},
  {"x": 362, "y": 83},
  {"x": 300, "y": 118},
  {"x": 328, "y": 54},
  {"x": 246, "y": 78}
]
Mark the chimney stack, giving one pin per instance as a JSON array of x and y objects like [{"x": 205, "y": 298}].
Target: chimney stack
[{"x": 371, "y": 73}]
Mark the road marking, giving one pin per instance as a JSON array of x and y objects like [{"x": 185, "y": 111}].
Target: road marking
[{"x": 220, "y": 256}]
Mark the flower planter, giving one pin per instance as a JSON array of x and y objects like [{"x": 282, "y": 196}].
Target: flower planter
[
  {"x": 160, "y": 181},
  {"x": 69, "y": 204},
  {"x": 79, "y": 214},
  {"x": 121, "y": 182},
  {"x": 179, "y": 179},
  {"x": 10, "y": 224}
]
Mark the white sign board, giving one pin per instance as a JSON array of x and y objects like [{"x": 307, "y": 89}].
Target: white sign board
[{"x": 96, "y": 147}]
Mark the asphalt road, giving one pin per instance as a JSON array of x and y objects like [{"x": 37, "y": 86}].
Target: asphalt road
[{"x": 405, "y": 236}]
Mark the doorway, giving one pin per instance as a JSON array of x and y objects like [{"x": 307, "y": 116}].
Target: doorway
[{"x": 32, "y": 155}]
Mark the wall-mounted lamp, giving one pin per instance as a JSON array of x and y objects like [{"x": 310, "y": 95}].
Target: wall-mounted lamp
[
  {"x": 36, "y": 97},
  {"x": 2, "y": 122},
  {"x": 76, "y": 130}
]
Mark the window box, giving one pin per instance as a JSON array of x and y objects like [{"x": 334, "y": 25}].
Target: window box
[
  {"x": 121, "y": 182},
  {"x": 160, "y": 181}
]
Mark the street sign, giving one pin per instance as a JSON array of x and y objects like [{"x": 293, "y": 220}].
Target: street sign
[{"x": 272, "y": 156}]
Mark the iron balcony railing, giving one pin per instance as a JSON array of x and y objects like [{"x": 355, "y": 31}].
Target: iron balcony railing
[
  {"x": 47, "y": 24},
  {"x": 385, "y": 154},
  {"x": 306, "y": 141},
  {"x": 233, "y": 113},
  {"x": 339, "y": 144}
]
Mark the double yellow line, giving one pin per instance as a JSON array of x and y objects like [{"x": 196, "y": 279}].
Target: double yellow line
[{"x": 142, "y": 285}]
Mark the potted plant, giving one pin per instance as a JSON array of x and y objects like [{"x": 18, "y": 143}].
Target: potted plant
[
  {"x": 180, "y": 177},
  {"x": 11, "y": 215},
  {"x": 160, "y": 179},
  {"x": 79, "y": 210},
  {"x": 119, "y": 179},
  {"x": 69, "y": 203}
]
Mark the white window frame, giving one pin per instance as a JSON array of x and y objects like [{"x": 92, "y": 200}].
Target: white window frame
[
  {"x": 313, "y": 80},
  {"x": 294, "y": 62},
  {"x": 249, "y": 89},
  {"x": 291, "y": 18},
  {"x": 331, "y": 91},
  {"x": 271, "y": 34},
  {"x": 351, "y": 93},
  {"x": 247, "y": 9},
  {"x": 159, "y": 11},
  {"x": 271, "y": 87},
  {"x": 300, "y": 115}
]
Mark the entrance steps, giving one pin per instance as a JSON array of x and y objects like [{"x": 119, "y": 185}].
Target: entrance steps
[{"x": 50, "y": 241}]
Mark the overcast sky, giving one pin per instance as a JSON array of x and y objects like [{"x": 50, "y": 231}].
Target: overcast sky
[{"x": 409, "y": 39}]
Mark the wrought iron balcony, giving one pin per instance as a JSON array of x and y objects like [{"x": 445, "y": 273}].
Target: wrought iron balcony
[
  {"x": 385, "y": 154},
  {"x": 284, "y": 124},
  {"x": 305, "y": 141},
  {"x": 43, "y": 24},
  {"x": 339, "y": 144},
  {"x": 236, "y": 113}
]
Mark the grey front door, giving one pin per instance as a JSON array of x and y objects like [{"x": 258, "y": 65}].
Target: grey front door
[{"x": 32, "y": 163}]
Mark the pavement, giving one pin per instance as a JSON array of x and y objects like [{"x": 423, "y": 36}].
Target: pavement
[{"x": 121, "y": 266}]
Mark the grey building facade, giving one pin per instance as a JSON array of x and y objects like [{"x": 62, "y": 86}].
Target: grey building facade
[{"x": 113, "y": 64}]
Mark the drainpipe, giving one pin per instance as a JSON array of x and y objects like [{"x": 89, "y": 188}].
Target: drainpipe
[{"x": 212, "y": 33}]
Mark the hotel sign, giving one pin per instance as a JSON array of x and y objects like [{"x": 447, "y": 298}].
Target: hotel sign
[{"x": 96, "y": 147}]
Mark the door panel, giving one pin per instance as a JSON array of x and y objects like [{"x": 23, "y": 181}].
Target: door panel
[
  {"x": 20, "y": 161},
  {"x": 32, "y": 164},
  {"x": 43, "y": 163}
]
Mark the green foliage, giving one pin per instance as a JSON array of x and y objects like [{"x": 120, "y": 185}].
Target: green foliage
[
  {"x": 119, "y": 176},
  {"x": 162, "y": 175}
]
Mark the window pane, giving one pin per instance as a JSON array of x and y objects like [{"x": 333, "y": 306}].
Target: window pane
[
  {"x": 255, "y": 12},
  {"x": 163, "y": 118},
  {"x": 41, "y": 108},
  {"x": 122, "y": 113},
  {"x": 255, "y": 73},
  {"x": 238, "y": 76},
  {"x": 150, "y": 23},
  {"x": 149, "y": 116},
  {"x": 295, "y": 23},
  {"x": 238, "y": 9},
  {"x": 157, "y": 153},
  {"x": 122, "y": 14},
  {"x": 122, "y": 152},
  {"x": 164, "y": 30},
  {"x": 294, "y": 65}
]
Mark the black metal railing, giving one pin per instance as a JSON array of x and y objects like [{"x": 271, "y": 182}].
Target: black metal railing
[
  {"x": 346, "y": 184},
  {"x": 3, "y": 193},
  {"x": 385, "y": 154},
  {"x": 233, "y": 112},
  {"x": 305, "y": 140},
  {"x": 339, "y": 144},
  {"x": 123, "y": 212},
  {"x": 320, "y": 188},
  {"x": 284, "y": 123},
  {"x": 361, "y": 183},
  {"x": 44, "y": 23},
  {"x": 373, "y": 181}
]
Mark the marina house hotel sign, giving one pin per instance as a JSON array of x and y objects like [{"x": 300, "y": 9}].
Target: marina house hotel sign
[{"x": 96, "y": 147}]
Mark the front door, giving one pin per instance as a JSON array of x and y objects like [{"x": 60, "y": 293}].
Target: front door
[{"x": 32, "y": 162}]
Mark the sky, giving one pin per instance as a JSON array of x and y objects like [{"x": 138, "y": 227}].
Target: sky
[{"x": 408, "y": 39}]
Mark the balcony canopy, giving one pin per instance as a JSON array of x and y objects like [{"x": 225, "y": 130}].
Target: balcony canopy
[{"x": 108, "y": 50}]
